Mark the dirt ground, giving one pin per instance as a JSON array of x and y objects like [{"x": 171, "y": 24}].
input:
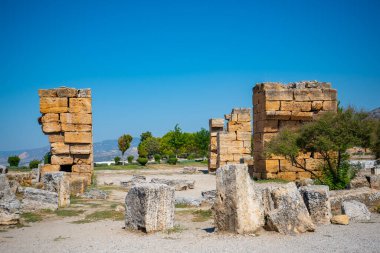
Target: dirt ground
[{"x": 191, "y": 234}]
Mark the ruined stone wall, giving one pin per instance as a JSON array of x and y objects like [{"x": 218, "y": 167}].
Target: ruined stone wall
[
  {"x": 67, "y": 121},
  {"x": 277, "y": 106},
  {"x": 233, "y": 144}
]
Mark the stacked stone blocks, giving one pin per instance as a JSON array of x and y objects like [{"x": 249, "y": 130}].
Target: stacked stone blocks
[
  {"x": 277, "y": 106},
  {"x": 67, "y": 121}
]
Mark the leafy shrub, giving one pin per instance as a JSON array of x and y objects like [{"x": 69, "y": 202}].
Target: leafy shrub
[
  {"x": 191, "y": 157},
  {"x": 172, "y": 161},
  {"x": 34, "y": 164},
  {"x": 47, "y": 158},
  {"x": 117, "y": 160},
  {"x": 157, "y": 158},
  {"x": 14, "y": 161},
  {"x": 130, "y": 158},
  {"x": 142, "y": 161}
]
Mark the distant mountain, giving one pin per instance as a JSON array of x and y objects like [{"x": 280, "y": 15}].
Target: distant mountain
[
  {"x": 375, "y": 113},
  {"x": 103, "y": 151}
]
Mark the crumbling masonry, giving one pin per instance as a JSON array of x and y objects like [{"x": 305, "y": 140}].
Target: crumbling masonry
[
  {"x": 275, "y": 106},
  {"x": 233, "y": 144},
  {"x": 67, "y": 120}
]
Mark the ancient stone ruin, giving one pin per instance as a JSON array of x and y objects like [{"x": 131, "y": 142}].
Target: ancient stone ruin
[
  {"x": 67, "y": 121},
  {"x": 277, "y": 106},
  {"x": 230, "y": 144}
]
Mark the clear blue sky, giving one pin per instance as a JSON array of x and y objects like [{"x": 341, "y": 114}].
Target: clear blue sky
[{"x": 152, "y": 64}]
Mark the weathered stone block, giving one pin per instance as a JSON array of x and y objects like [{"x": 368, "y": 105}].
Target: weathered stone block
[
  {"x": 87, "y": 176},
  {"x": 59, "y": 148},
  {"x": 244, "y": 117},
  {"x": 272, "y": 166},
  {"x": 61, "y": 160},
  {"x": 50, "y": 117},
  {"x": 78, "y": 137},
  {"x": 216, "y": 123},
  {"x": 78, "y": 185},
  {"x": 56, "y": 138},
  {"x": 150, "y": 207},
  {"x": 234, "y": 126},
  {"x": 84, "y": 93},
  {"x": 58, "y": 182},
  {"x": 225, "y": 137},
  {"x": 80, "y": 149},
  {"x": 76, "y": 118},
  {"x": 279, "y": 115},
  {"x": 295, "y": 106},
  {"x": 302, "y": 115},
  {"x": 316, "y": 198},
  {"x": 356, "y": 210},
  {"x": 53, "y": 105},
  {"x": 316, "y": 105},
  {"x": 49, "y": 168},
  {"x": 289, "y": 176},
  {"x": 37, "y": 199},
  {"x": 330, "y": 106},
  {"x": 340, "y": 219},
  {"x": 272, "y": 105},
  {"x": 83, "y": 159},
  {"x": 286, "y": 94},
  {"x": 82, "y": 105},
  {"x": 330, "y": 94},
  {"x": 76, "y": 128},
  {"x": 67, "y": 92},
  {"x": 51, "y": 127},
  {"x": 83, "y": 168},
  {"x": 237, "y": 207},
  {"x": 47, "y": 93},
  {"x": 308, "y": 94},
  {"x": 9, "y": 204}
]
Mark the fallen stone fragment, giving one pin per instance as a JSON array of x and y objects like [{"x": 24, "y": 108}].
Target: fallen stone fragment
[
  {"x": 316, "y": 198},
  {"x": 188, "y": 201},
  {"x": 58, "y": 182},
  {"x": 9, "y": 204},
  {"x": 136, "y": 179},
  {"x": 359, "y": 182},
  {"x": 209, "y": 196},
  {"x": 340, "y": 219},
  {"x": 190, "y": 170},
  {"x": 177, "y": 184},
  {"x": 150, "y": 207},
  {"x": 356, "y": 211},
  {"x": 37, "y": 199},
  {"x": 374, "y": 181},
  {"x": 237, "y": 208},
  {"x": 95, "y": 194},
  {"x": 3, "y": 169},
  {"x": 290, "y": 215}
]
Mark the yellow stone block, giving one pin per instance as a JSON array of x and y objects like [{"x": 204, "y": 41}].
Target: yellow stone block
[
  {"x": 50, "y": 117},
  {"x": 51, "y": 127},
  {"x": 76, "y": 118},
  {"x": 80, "y": 149},
  {"x": 61, "y": 160},
  {"x": 82, "y": 105},
  {"x": 76, "y": 128},
  {"x": 78, "y": 137},
  {"x": 58, "y": 148},
  {"x": 53, "y": 105}
]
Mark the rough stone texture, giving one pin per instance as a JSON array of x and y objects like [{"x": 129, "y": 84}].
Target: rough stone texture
[
  {"x": 58, "y": 182},
  {"x": 316, "y": 198},
  {"x": 356, "y": 211},
  {"x": 290, "y": 215},
  {"x": 209, "y": 196},
  {"x": 370, "y": 197},
  {"x": 150, "y": 207},
  {"x": 136, "y": 179},
  {"x": 358, "y": 182},
  {"x": 237, "y": 207},
  {"x": 37, "y": 199},
  {"x": 67, "y": 120},
  {"x": 3, "y": 169},
  {"x": 78, "y": 185},
  {"x": 340, "y": 219},
  {"x": 177, "y": 184},
  {"x": 190, "y": 170},
  {"x": 9, "y": 205},
  {"x": 95, "y": 194},
  {"x": 277, "y": 106},
  {"x": 188, "y": 201},
  {"x": 374, "y": 181}
]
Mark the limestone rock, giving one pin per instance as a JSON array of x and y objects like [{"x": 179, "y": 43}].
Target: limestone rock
[
  {"x": 3, "y": 169},
  {"x": 290, "y": 215},
  {"x": 136, "y": 179},
  {"x": 317, "y": 201},
  {"x": 358, "y": 182},
  {"x": 36, "y": 199},
  {"x": 356, "y": 211},
  {"x": 209, "y": 196},
  {"x": 78, "y": 137},
  {"x": 188, "y": 201},
  {"x": 150, "y": 207},
  {"x": 9, "y": 205},
  {"x": 190, "y": 170},
  {"x": 7, "y": 218},
  {"x": 58, "y": 182},
  {"x": 237, "y": 207},
  {"x": 374, "y": 181},
  {"x": 78, "y": 185},
  {"x": 95, "y": 194},
  {"x": 340, "y": 219},
  {"x": 66, "y": 92},
  {"x": 178, "y": 184}
]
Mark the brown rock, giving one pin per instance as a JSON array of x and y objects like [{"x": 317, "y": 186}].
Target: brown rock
[
  {"x": 76, "y": 118},
  {"x": 83, "y": 159},
  {"x": 80, "y": 149},
  {"x": 84, "y": 93},
  {"x": 290, "y": 176},
  {"x": 76, "y": 128},
  {"x": 61, "y": 160},
  {"x": 47, "y": 93},
  {"x": 67, "y": 92},
  {"x": 316, "y": 105},
  {"x": 50, "y": 117},
  {"x": 59, "y": 148},
  {"x": 272, "y": 105},
  {"x": 340, "y": 220},
  {"x": 82, "y": 168},
  {"x": 78, "y": 137},
  {"x": 53, "y": 105},
  {"x": 330, "y": 106},
  {"x": 50, "y": 168},
  {"x": 280, "y": 115},
  {"x": 51, "y": 127},
  {"x": 82, "y": 105},
  {"x": 285, "y": 94},
  {"x": 302, "y": 115},
  {"x": 55, "y": 138}
]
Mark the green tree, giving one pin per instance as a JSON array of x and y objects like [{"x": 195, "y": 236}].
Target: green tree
[
  {"x": 34, "y": 164},
  {"x": 117, "y": 160},
  {"x": 202, "y": 141},
  {"x": 176, "y": 140},
  {"x": 145, "y": 136},
  {"x": 149, "y": 147},
  {"x": 14, "y": 161},
  {"x": 130, "y": 159},
  {"x": 330, "y": 136},
  {"x": 124, "y": 142}
]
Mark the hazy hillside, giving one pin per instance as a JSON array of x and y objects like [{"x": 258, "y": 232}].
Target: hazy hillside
[
  {"x": 103, "y": 151},
  {"x": 375, "y": 113}
]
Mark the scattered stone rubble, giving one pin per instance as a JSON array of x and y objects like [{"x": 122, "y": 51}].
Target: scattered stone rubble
[
  {"x": 136, "y": 179},
  {"x": 9, "y": 204},
  {"x": 58, "y": 182},
  {"x": 190, "y": 170},
  {"x": 356, "y": 211},
  {"x": 341, "y": 219},
  {"x": 67, "y": 120},
  {"x": 365, "y": 195},
  {"x": 37, "y": 199},
  {"x": 277, "y": 106},
  {"x": 94, "y": 194},
  {"x": 150, "y": 207},
  {"x": 177, "y": 184},
  {"x": 317, "y": 201}
]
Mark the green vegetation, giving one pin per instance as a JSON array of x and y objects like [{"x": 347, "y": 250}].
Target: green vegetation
[
  {"x": 47, "y": 158},
  {"x": 202, "y": 215},
  {"x": 182, "y": 205},
  {"x": 124, "y": 142},
  {"x": 14, "y": 161},
  {"x": 157, "y": 158},
  {"x": 277, "y": 180},
  {"x": 117, "y": 160},
  {"x": 101, "y": 215},
  {"x": 31, "y": 217},
  {"x": 172, "y": 160},
  {"x": 377, "y": 209},
  {"x": 130, "y": 159},
  {"x": 142, "y": 161},
  {"x": 328, "y": 137},
  {"x": 34, "y": 164},
  {"x": 68, "y": 212}
]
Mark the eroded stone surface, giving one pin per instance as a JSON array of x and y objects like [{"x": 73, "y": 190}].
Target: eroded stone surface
[
  {"x": 177, "y": 184},
  {"x": 356, "y": 210},
  {"x": 58, "y": 182},
  {"x": 317, "y": 201},
  {"x": 37, "y": 199},
  {"x": 9, "y": 205}
]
